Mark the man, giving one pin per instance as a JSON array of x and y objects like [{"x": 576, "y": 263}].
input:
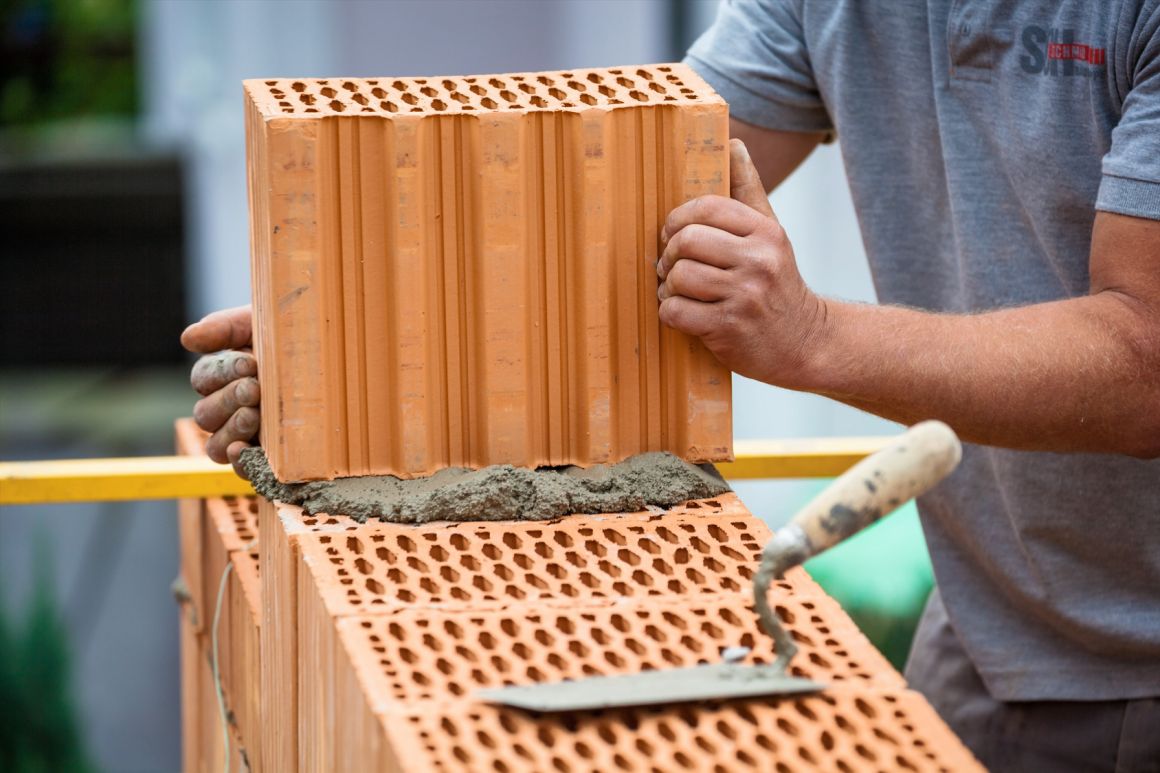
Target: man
[{"x": 1004, "y": 160}]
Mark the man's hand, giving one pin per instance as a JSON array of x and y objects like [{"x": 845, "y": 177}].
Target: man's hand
[
  {"x": 729, "y": 278},
  {"x": 226, "y": 378}
]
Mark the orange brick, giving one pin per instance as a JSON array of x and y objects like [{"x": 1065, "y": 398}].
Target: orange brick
[
  {"x": 841, "y": 729},
  {"x": 456, "y": 271}
]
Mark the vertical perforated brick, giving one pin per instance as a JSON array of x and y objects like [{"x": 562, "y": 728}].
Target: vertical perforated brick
[{"x": 456, "y": 271}]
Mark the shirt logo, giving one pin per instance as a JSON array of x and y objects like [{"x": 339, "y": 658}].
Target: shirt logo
[{"x": 1056, "y": 52}]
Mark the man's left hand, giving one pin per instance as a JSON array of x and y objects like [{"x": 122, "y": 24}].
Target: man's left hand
[{"x": 728, "y": 276}]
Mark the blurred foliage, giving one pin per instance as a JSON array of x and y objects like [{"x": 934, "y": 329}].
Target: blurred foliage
[
  {"x": 62, "y": 60},
  {"x": 39, "y": 731}
]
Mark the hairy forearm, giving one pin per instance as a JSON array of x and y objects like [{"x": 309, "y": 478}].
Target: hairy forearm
[{"x": 1074, "y": 375}]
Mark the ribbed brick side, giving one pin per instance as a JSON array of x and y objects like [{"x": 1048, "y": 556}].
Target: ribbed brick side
[{"x": 456, "y": 271}]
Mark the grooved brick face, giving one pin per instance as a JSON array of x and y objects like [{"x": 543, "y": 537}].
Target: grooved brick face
[{"x": 458, "y": 271}]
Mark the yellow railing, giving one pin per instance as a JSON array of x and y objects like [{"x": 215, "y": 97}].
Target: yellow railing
[{"x": 176, "y": 477}]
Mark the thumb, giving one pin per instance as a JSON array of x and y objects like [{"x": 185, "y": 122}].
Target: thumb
[
  {"x": 225, "y": 329},
  {"x": 744, "y": 181}
]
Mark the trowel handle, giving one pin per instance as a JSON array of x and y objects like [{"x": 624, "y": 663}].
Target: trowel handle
[{"x": 907, "y": 467}]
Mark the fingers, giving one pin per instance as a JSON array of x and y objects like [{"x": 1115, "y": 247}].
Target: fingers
[
  {"x": 696, "y": 318},
  {"x": 696, "y": 280},
  {"x": 242, "y": 426},
  {"x": 234, "y": 456},
  {"x": 213, "y": 371},
  {"x": 716, "y": 211},
  {"x": 744, "y": 182},
  {"x": 703, "y": 243},
  {"x": 225, "y": 329},
  {"x": 213, "y": 411}
]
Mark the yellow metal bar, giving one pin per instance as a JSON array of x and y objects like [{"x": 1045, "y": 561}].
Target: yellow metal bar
[
  {"x": 178, "y": 477},
  {"x": 798, "y": 458},
  {"x": 96, "y": 480}
]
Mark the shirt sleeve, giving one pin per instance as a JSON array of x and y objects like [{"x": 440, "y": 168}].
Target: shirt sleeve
[
  {"x": 1131, "y": 168},
  {"x": 755, "y": 57}
]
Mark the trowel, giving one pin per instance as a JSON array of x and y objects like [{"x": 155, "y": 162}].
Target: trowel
[{"x": 879, "y": 484}]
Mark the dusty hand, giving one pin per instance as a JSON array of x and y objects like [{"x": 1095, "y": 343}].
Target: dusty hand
[
  {"x": 729, "y": 277},
  {"x": 226, "y": 378}
]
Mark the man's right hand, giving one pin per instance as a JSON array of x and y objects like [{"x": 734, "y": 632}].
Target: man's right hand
[{"x": 226, "y": 378}]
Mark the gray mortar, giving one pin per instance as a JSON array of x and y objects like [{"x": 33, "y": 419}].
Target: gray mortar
[{"x": 497, "y": 493}]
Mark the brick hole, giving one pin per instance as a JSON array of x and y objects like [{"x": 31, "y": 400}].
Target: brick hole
[
  {"x": 374, "y": 586},
  {"x": 588, "y": 99},
  {"x": 595, "y": 548},
  {"x": 311, "y": 110},
  {"x": 493, "y": 552},
  {"x": 628, "y": 557},
  {"x": 478, "y": 90},
  {"x": 615, "y": 537},
  {"x": 709, "y": 629},
  {"x": 306, "y": 99},
  {"x": 843, "y": 724},
  {"x": 508, "y": 96},
  {"x": 865, "y": 709},
  {"x": 364, "y": 566},
  {"x": 543, "y": 550},
  {"x": 695, "y": 576},
  {"x": 512, "y": 541},
  {"x": 427, "y": 91},
  {"x": 459, "y": 542},
  {"x": 410, "y": 99},
  {"x": 648, "y": 545},
  {"x": 460, "y": 98},
  {"x": 515, "y": 592},
  {"x": 605, "y": 91},
  {"x": 496, "y": 83},
  {"x": 527, "y": 88},
  {"x": 733, "y": 553},
  {"x": 658, "y": 88},
  {"x": 639, "y": 96}
]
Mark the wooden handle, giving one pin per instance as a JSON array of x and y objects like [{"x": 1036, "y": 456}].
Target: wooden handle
[{"x": 878, "y": 485}]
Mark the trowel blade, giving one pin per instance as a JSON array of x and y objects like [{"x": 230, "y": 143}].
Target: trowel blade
[{"x": 718, "y": 681}]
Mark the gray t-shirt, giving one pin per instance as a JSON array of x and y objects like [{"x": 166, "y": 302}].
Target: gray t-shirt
[{"x": 979, "y": 141}]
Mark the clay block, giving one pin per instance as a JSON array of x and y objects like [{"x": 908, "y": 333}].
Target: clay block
[
  {"x": 456, "y": 271},
  {"x": 841, "y": 729},
  {"x": 436, "y": 656},
  {"x": 281, "y": 527},
  {"x": 483, "y": 565}
]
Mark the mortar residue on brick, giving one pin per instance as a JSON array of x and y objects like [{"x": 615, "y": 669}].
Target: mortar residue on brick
[{"x": 497, "y": 493}]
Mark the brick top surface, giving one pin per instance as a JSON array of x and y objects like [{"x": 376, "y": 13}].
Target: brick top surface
[{"x": 563, "y": 90}]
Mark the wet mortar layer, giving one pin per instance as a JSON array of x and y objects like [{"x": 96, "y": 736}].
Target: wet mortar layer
[{"x": 497, "y": 493}]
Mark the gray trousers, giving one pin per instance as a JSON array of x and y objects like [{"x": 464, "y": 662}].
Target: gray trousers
[{"x": 1118, "y": 736}]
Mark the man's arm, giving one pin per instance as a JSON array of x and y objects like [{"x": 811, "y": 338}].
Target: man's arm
[
  {"x": 1081, "y": 374},
  {"x": 777, "y": 153}
]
